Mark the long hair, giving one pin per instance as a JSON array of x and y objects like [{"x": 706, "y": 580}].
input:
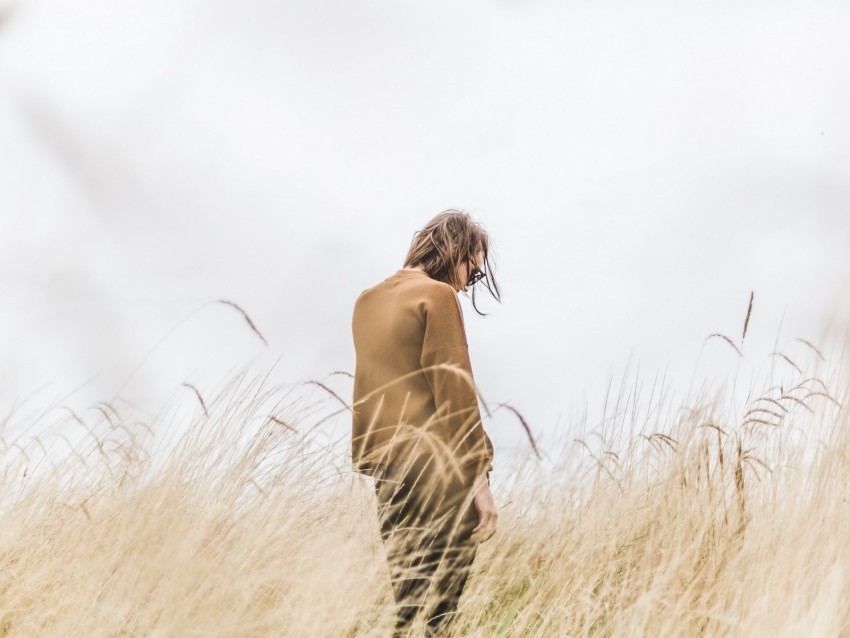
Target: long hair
[{"x": 445, "y": 242}]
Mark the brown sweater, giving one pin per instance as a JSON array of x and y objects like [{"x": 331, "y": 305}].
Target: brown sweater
[{"x": 413, "y": 381}]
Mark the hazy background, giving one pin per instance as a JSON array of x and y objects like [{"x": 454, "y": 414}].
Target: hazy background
[{"x": 641, "y": 167}]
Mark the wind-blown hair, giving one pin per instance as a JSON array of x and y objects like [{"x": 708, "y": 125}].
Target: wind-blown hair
[{"x": 445, "y": 242}]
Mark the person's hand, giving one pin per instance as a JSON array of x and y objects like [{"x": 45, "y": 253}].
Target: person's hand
[{"x": 487, "y": 514}]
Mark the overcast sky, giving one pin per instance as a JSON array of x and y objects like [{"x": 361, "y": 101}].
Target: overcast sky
[{"x": 641, "y": 167}]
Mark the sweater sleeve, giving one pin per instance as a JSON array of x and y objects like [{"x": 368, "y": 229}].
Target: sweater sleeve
[{"x": 445, "y": 361}]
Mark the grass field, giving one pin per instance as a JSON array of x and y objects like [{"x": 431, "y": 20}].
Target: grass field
[{"x": 231, "y": 516}]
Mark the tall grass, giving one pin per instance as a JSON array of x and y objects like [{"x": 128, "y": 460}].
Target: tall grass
[{"x": 238, "y": 518}]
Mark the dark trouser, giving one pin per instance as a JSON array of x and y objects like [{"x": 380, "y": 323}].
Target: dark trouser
[{"x": 426, "y": 519}]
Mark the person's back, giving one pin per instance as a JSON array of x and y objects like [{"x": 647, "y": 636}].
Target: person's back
[{"x": 412, "y": 359}]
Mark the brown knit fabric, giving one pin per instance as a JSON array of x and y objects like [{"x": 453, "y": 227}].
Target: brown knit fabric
[{"x": 413, "y": 386}]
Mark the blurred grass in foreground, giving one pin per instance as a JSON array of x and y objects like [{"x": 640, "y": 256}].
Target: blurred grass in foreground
[{"x": 711, "y": 521}]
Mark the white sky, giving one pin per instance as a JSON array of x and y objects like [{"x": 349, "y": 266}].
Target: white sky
[{"x": 640, "y": 166}]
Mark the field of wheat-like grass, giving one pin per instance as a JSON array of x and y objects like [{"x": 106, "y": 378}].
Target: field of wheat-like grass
[{"x": 237, "y": 518}]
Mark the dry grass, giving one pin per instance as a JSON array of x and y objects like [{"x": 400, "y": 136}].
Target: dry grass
[{"x": 239, "y": 519}]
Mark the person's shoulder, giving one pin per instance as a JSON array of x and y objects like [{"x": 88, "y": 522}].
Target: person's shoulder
[
  {"x": 432, "y": 285},
  {"x": 417, "y": 286},
  {"x": 431, "y": 290}
]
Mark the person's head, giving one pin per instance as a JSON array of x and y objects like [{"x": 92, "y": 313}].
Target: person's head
[{"x": 454, "y": 249}]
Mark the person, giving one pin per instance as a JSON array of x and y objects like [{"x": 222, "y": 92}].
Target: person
[{"x": 416, "y": 426}]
